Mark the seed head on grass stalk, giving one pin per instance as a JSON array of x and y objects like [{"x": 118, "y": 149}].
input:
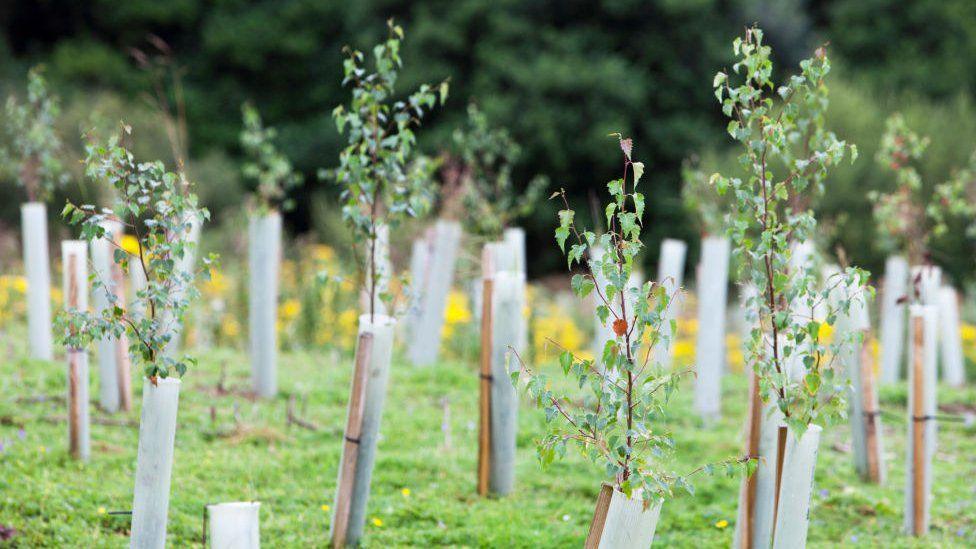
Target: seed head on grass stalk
[
  {"x": 619, "y": 423},
  {"x": 159, "y": 208},
  {"x": 786, "y": 156},
  {"x": 380, "y": 183}
]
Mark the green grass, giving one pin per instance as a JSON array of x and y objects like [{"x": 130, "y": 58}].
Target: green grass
[{"x": 53, "y": 501}]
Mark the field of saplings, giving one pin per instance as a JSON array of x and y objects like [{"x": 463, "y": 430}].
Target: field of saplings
[{"x": 168, "y": 382}]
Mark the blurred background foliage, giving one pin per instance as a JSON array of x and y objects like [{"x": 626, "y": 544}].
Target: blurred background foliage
[{"x": 560, "y": 75}]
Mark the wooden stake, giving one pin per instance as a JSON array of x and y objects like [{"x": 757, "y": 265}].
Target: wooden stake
[
  {"x": 487, "y": 328},
  {"x": 780, "y": 451},
  {"x": 752, "y": 450},
  {"x": 350, "y": 449},
  {"x": 870, "y": 411},
  {"x": 918, "y": 426},
  {"x": 599, "y": 517}
]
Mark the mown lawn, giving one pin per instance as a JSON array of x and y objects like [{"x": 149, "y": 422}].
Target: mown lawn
[{"x": 423, "y": 486}]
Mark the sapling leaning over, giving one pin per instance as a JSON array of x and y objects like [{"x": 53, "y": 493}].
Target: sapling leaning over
[
  {"x": 380, "y": 186},
  {"x": 618, "y": 424},
  {"x": 273, "y": 176},
  {"x": 30, "y": 155},
  {"x": 787, "y": 154}
]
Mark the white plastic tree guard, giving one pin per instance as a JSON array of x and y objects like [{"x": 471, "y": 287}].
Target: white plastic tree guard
[
  {"x": 33, "y": 219},
  {"x": 154, "y": 462},
  {"x": 264, "y": 260},
  {"x": 893, "y": 298},
  {"x": 420, "y": 255},
  {"x": 515, "y": 238},
  {"x": 670, "y": 274},
  {"x": 426, "y": 336},
  {"x": 384, "y": 271},
  {"x": 74, "y": 261},
  {"x": 796, "y": 487},
  {"x": 863, "y": 406},
  {"x": 710, "y": 345},
  {"x": 103, "y": 264},
  {"x": 620, "y": 522},
  {"x": 138, "y": 283},
  {"x": 234, "y": 525},
  {"x": 922, "y": 342},
  {"x": 953, "y": 363},
  {"x": 757, "y": 502},
  {"x": 927, "y": 279},
  {"x": 374, "y": 351},
  {"x": 508, "y": 299},
  {"x": 188, "y": 264}
]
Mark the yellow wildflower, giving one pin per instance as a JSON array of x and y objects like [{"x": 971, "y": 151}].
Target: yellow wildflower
[
  {"x": 405, "y": 492},
  {"x": 101, "y": 511},
  {"x": 722, "y": 524},
  {"x": 967, "y": 332},
  {"x": 130, "y": 244},
  {"x": 325, "y": 508},
  {"x": 290, "y": 309},
  {"x": 377, "y": 521},
  {"x": 322, "y": 252}
]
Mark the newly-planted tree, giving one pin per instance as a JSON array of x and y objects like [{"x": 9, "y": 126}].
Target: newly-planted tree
[
  {"x": 617, "y": 423},
  {"x": 157, "y": 207},
  {"x": 900, "y": 218},
  {"x": 380, "y": 187},
  {"x": 32, "y": 158},
  {"x": 273, "y": 176},
  {"x": 787, "y": 154}
]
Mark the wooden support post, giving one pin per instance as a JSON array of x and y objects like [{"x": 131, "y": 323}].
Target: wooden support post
[
  {"x": 918, "y": 426},
  {"x": 923, "y": 330},
  {"x": 780, "y": 454},
  {"x": 748, "y": 492},
  {"x": 872, "y": 418},
  {"x": 74, "y": 257},
  {"x": 487, "y": 327},
  {"x": 350, "y": 448}
]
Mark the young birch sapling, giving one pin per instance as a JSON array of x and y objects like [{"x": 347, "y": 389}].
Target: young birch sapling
[
  {"x": 33, "y": 147},
  {"x": 268, "y": 168},
  {"x": 483, "y": 161},
  {"x": 618, "y": 424},
  {"x": 900, "y": 215},
  {"x": 380, "y": 184},
  {"x": 770, "y": 212},
  {"x": 157, "y": 207}
]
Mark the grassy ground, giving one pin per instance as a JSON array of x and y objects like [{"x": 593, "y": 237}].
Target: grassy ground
[{"x": 423, "y": 486}]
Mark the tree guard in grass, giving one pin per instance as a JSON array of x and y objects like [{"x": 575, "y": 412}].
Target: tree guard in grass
[
  {"x": 426, "y": 335},
  {"x": 37, "y": 266},
  {"x": 757, "y": 498},
  {"x": 420, "y": 255},
  {"x": 864, "y": 411},
  {"x": 953, "y": 363},
  {"x": 620, "y": 522},
  {"x": 264, "y": 260},
  {"x": 670, "y": 274},
  {"x": 923, "y": 331},
  {"x": 374, "y": 349},
  {"x": 154, "y": 462},
  {"x": 171, "y": 321},
  {"x": 74, "y": 261},
  {"x": 233, "y": 525},
  {"x": 894, "y": 295},
  {"x": 795, "y": 488},
  {"x": 507, "y": 301},
  {"x": 710, "y": 344},
  {"x": 115, "y": 384}
]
